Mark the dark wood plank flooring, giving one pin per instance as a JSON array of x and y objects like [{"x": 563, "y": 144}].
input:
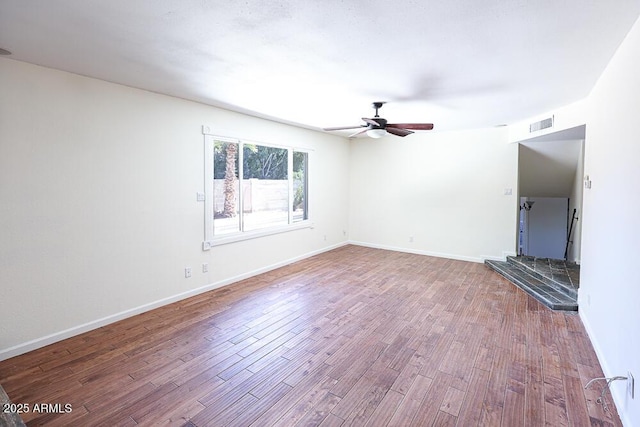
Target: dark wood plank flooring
[{"x": 354, "y": 336}]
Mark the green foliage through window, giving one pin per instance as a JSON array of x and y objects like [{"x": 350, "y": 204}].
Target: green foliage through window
[
  {"x": 272, "y": 190},
  {"x": 264, "y": 162}
]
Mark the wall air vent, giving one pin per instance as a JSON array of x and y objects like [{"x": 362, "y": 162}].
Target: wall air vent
[{"x": 542, "y": 124}]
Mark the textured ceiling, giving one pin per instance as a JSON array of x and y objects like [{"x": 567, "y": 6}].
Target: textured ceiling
[{"x": 457, "y": 63}]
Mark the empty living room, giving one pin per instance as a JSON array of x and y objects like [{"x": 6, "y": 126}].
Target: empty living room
[{"x": 290, "y": 213}]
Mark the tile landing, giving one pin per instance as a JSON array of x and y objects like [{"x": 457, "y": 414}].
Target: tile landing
[{"x": 553, "y": 282}]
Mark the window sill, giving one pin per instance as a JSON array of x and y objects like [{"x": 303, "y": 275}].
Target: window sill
[{"x": 248, "y": 235}]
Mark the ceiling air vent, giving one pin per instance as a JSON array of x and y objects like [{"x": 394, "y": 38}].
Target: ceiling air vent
[{"x": 542, "y": 124}]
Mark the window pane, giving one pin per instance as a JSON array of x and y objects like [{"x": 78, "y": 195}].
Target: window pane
[
  {"x": 300, "y": 187},
  {"x": 265, "y": 187},
  {"x": 226, "y": 190}
]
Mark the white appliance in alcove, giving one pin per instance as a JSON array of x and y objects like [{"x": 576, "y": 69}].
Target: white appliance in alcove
[{"x": 543, "y": 226}]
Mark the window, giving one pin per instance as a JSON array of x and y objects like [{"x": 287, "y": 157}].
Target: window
[
  {"x": 300, "y": 187},
  {"x": 253, "y": 189}
]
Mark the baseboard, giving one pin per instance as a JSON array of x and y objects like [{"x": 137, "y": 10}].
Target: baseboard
[
  {"x": 618, "y": 399},
  {"x": 98, "y": 323},
  {"x": 417, "y": 251}
]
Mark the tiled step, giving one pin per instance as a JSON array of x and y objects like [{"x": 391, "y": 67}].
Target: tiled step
[
  {"x": 560, "y": 282},
  {"x": 548, "y": 294},
  {"x": 552, "y": 272}
]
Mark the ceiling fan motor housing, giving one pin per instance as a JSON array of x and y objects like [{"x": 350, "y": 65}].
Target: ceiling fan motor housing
[{"x": 382, "y": 123}]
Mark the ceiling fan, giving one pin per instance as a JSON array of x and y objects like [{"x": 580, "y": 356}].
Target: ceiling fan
[{"x": 377, "y": 127}]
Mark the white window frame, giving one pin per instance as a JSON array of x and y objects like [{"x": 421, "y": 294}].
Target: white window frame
[{"x": 210, "y": 239}]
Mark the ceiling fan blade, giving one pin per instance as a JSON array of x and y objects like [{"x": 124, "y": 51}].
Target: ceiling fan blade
[
  {"x": 398, "y": 131},
  {"x": 342, "y": 127},
  {"x": 414, "y": 126},
  {"x": 372, "y": 122},
  {"x": 358, "y": 133}
]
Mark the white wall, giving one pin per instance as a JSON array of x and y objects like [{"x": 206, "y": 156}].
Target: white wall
[
  {"x": 98, "y": 210},
  {"x": 610, "y": 285},
  {"x": 575, "y": 202},
  {"x": 445, "y": 191}
]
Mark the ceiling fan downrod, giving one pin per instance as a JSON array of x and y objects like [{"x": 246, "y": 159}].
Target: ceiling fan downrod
[{"x": 377, "y": 106}]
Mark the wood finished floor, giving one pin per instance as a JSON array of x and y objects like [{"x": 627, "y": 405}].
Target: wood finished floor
[{"x": 355, "y": 336}]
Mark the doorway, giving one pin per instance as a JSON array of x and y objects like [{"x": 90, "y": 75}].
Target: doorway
[{"x": 550, "y": 171}]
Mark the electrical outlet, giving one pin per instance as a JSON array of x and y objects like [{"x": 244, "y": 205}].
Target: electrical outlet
[
  {"x": 410, "y": 239},
  {"x": 205, "y": 267},
  {"x": 187, "y": 272},
  {"x": 630, "y": 384}
]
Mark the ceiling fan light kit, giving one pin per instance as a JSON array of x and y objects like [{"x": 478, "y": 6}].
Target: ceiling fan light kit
[
  {"x": 376, "y": 133},
  {"x": 377, "y": 127}
]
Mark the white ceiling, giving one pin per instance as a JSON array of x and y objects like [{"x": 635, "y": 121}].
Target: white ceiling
[{"x": 456, "y": 63}]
